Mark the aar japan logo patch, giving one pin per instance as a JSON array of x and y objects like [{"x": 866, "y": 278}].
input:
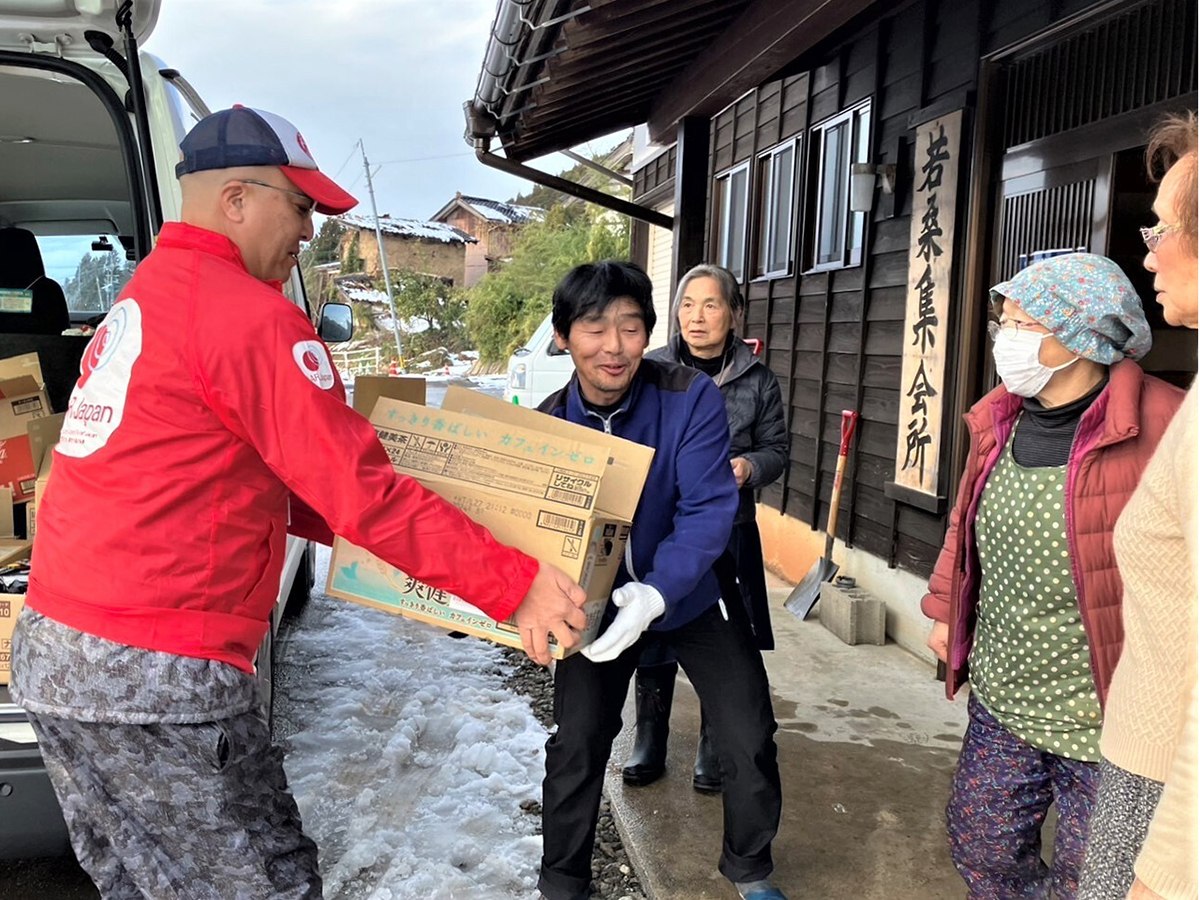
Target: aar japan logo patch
[
  {"x": 313, "y": 360},
  {"x": 97, "y": 403}
]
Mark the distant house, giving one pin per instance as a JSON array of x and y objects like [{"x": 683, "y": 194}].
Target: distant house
[
  {"x": 435, "y": 248},
  {"x": 493, "y": 223}
]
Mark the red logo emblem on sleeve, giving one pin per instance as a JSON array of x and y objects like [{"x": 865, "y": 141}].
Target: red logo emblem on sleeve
[{"x": 102, "y": 346}]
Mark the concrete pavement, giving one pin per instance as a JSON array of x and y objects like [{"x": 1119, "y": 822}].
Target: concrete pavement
[{"x": 867, "y": 746}]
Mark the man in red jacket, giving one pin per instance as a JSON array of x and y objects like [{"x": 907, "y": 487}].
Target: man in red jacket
[{"x": 208, "y": 423}]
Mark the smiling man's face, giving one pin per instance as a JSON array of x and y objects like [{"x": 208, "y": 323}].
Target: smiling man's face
[{"x": 607, "y": 349}]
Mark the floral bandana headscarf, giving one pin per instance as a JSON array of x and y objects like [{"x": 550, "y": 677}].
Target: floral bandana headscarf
[{"x": 1087, "y": 303}]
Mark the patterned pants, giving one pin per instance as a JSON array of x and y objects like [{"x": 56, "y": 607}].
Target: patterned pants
[
  {"x": 180, "y": 811},
  {"x": 1002, "y": 791},
  {"x": 1124, "y": 808}
]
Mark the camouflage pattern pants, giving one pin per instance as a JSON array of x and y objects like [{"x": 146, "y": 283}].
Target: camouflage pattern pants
[{"x": 168, "y": 811}]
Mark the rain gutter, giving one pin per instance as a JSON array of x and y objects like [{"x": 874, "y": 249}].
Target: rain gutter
[{"x": 583, "y": 192}]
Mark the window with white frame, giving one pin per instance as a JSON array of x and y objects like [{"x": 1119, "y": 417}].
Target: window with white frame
[
  {"x": 732, "y": 192},
  {"x": 777, "y": 186},
  {"x": 837, "y": 233}
]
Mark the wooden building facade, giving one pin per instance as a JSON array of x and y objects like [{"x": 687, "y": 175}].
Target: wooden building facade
[{"x": 971, "y": 136}]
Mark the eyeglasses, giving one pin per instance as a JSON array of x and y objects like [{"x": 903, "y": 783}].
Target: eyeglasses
[
  {"x": 1152, "y": 237},
  {"x": 1013, "y": 326},
  {"x": 305, "y": 209}
]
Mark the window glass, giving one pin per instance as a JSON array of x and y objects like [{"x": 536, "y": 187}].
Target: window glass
[
  {"x": 784, "y": 166},
  {"x": 837, "y": 233},
  {"x": 862, "y": 154},
  {"x": 90, "y": 275},
  {"x": 778, "y": 187},
  {"x": 834, "y": 171},
  {"x": 732, "y": 192}
]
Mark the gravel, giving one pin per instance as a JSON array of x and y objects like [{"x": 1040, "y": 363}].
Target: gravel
[{"x": 613, "y": 877}]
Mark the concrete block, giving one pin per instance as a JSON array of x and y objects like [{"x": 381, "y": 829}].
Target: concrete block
[{"x": 852, "y": 614}]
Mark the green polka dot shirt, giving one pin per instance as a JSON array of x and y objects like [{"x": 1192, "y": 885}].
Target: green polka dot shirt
[{"x": 1029, "y": 664}]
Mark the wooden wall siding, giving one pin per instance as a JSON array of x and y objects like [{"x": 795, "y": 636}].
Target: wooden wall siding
[
  {"x": 1094, "y": 75},
  {"x": 1015, "y": 20},
  {"x": 745, "y": 116},
  {"x": 655, "y": 174},
  {"x": 722, "y": 137},
  {"x": 834, "y": 338},
  {"x": 767, "y": 127},
  {"x": 794, "y": 105},
  {"x": 861, "y": 64},
  {"x": 953, "y": 62},
  {"x": 826, "y": 92}
]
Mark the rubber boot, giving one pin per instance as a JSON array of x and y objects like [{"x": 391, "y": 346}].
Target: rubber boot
[
  {"x": 706, "y": 777},
  {"x": 654, "y": 690}
]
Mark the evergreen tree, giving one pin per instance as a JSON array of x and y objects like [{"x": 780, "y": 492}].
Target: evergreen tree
[
  {"x": 97, "y": 281},
  {"x": 322, "y": 249},
  {"x": 437, "y": 306},
  {"x": 352, "y": 260},
  {"x": 506, "y": 306}
]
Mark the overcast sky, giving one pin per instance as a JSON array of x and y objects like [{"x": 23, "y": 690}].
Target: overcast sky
[{"x": 392, "y": 72}]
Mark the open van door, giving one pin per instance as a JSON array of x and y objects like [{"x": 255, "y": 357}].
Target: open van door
[
  {"x": 58, "y": 27},
  {"x": 87, "y": 42}
]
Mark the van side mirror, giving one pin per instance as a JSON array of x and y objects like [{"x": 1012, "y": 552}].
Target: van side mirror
[{"x": 337, "y": 323}]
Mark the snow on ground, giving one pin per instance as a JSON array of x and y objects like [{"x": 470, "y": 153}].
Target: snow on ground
[
  {"x": 491, "y": 383},
  {"x": 411, "y": 759}
]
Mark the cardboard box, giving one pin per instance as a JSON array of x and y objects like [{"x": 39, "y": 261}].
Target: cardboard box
[
  {"x": 369, "y": 388},
  {"x": 7, "y": 520},
  {"x": 562, "y": 493},
  {"x": 25, "y": 364},
  {"x": 10, "y": 607},
  {"x": 22, "y": 399},
  {"x": 43, "y": 436}
]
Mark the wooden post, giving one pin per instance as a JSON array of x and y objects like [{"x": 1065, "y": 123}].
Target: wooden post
[{"x": 691, "y": 191}]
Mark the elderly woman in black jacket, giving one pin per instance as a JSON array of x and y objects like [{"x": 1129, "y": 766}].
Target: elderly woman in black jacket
[{"x": 707, "y": 308}]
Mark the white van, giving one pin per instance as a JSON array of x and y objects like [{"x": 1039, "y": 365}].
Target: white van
[
  {"x": 538, "y": 369},
  {"x": 89, "y": 172}
]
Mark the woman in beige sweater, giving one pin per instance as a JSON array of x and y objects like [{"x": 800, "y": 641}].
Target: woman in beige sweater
[{"x": 1143, "y": 831}]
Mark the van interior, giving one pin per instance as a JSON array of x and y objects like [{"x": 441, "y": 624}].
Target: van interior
[{"x": 66, "y": 219}]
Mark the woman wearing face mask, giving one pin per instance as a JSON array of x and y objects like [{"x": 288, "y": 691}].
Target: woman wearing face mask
[
  {"x": 707, "y": 307},
  {"x": 1025, "y": 595}
]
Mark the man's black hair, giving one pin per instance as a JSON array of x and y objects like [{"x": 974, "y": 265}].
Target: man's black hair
[{"x": 587, "y": 291}]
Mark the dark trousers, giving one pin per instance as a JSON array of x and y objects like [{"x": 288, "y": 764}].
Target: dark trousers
[
  {"x": 727, "y": 672},
  {"x": 745, "y": 553},
  {"x": 201, "y": 811},
  {"x": 1001, "y": 793}
]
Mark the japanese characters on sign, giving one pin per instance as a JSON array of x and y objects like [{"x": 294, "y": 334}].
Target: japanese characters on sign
[{"x": 923, "y": 368}]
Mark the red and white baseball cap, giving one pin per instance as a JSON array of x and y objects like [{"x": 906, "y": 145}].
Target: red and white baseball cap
[{"x": 253, "y": 137}]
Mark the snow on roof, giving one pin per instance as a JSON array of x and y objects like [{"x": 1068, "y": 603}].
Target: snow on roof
[
  {"x": 364, "y": 295},
  {"x": 411, "y": 228},
  {"x": 493, "y": 210},
  {"x": 499, "y": 211}
]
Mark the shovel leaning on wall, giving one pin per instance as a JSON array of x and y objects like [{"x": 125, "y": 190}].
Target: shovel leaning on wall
[{"x": 805, "y": 595}]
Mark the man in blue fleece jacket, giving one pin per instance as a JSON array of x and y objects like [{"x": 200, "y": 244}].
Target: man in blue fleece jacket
[{"x": 603, "y": 316}]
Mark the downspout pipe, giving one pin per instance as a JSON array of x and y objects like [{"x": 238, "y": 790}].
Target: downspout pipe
[{"x": 591, "y": 195}]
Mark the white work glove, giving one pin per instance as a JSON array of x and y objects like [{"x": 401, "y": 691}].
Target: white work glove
[{"x": 637, "y": 606}]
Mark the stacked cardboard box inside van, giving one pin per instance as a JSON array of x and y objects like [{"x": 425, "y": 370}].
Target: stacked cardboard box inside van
[{"x": 27, "y": 432}]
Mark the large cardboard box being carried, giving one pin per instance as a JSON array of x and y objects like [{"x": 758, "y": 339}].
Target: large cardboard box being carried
[
  {"x": 22, "y": 398},
  {"x": 562, "y": 493}
]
